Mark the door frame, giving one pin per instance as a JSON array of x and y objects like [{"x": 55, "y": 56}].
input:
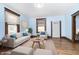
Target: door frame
[{"x": 74, "y": 26}]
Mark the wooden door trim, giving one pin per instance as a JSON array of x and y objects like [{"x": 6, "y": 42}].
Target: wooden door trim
[
  {"x": 60, "y": 29},
  {"x": 51, "y": 29},
  {"x": 73, "y": 28},
  {"x": 6, "y": 28},
  {"x": 74, "y": 25}
]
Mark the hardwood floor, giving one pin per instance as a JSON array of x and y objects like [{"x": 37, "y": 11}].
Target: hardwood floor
[{"x": 63, "y": 46}]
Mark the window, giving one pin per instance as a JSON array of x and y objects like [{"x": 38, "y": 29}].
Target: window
[
  {"x": 41, "y": 29},
  {"x": 12, "y": 29},
  {"x": 12, "y": 22},
  {"x": 41, "y": 25}
]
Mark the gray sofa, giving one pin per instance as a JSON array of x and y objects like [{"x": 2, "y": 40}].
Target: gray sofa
[{"x": 12, "y": 42}]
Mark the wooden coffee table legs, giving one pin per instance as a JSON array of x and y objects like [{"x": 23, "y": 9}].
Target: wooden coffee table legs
[{"x": 38, "y": 42}]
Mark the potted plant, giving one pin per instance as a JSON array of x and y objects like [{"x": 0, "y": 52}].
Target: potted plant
[{"x": 30, "y": 31}]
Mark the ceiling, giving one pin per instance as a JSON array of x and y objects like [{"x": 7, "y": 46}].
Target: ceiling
[{"x": 48, "y": 9}]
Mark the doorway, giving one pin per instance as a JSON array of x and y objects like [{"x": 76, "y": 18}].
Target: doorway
[
  {"x": 56, "y": 29},
  {"x": 74, "y": 29}
]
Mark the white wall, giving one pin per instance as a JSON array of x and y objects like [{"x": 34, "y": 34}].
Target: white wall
[
  {"x": 2, "y": 25},
  {"x": 32, "y": 24},
  {"x": 24, "y": 19}
]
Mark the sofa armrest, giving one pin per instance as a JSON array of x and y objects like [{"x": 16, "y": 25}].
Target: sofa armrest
[{"x": 10, "y": 42}]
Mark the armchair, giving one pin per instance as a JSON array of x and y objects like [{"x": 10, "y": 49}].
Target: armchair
[{"x": 43, "y": 35}]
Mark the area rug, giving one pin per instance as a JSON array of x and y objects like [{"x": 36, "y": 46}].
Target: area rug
[{"x": 49, "y": 45}]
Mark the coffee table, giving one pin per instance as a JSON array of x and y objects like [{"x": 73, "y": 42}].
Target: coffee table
[{"x": 38, "y": 41}]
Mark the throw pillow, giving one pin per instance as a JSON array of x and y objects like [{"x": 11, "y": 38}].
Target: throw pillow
[
  {"x": 25, "y": 34},
  {"x": 42, "y": 33},
  {"x": 13, "y": 36}
]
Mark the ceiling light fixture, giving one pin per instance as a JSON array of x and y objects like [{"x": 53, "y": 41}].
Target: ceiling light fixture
[{"x": 38, "y": 5}]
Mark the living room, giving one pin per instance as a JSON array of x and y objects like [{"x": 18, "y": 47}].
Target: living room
[{"x": 38, "y": 29}]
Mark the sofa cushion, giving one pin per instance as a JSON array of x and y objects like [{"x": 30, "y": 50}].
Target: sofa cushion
[
  {"x": 20, "y": 40},
  {"x": 42, "y": 33}
]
